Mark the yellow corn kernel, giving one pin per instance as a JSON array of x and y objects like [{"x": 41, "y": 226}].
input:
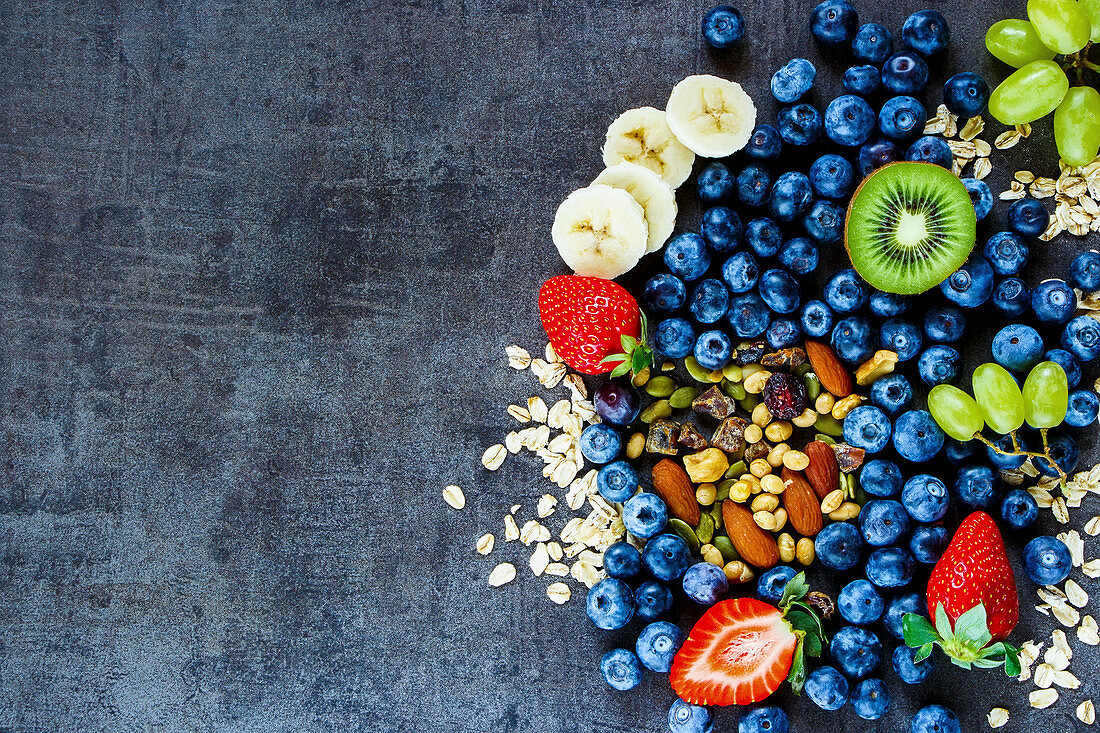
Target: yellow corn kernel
[
  {"x": 761, "y": 415},
  {"x": 635, "y": 445}
]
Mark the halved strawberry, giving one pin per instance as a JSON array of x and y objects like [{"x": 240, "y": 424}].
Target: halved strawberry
[{"x": 742, "y": 649}]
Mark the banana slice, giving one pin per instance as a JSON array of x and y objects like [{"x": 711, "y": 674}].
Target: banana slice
[
  {"x": 657, "y": 198},
  {"x": 600, "y": 231},
  {"x": 714, "y": 117},
  {"x": 642, "y": 136}
]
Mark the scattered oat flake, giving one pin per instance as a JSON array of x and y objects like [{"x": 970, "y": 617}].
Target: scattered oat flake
[
  {"x": 536, "y": 409},
  {"x": 1058, "y": 508},
  {"x": 1067, "y": 615},
  {"x": 559, "y": 593},
  {"x": 485, "y": 543},
  {"x": 511, "y": 442},
  {"x": 1086, "y": 712},
  {"x": 518, "y": 358},
  {"x": 1044, "y": 675},
  {"x": 1042, "y": 699},
  {"x": 454, "y": 496},
  {"x": 511, "y": 531},
  {"x": 540, "y": 559},
  {"x": 546, "y": 505},
  {"x": 1024, "y": 176},
  {"x": 559, "y": 569},
  {"x": 1007, "y": 139},
  {"x": 1024, "y": 129},
  {"x": 502, "y": 574},
  {"x": 972, "y": 128},
  {"x": 982, "y": 168},
  {"x": 1066, "y": 680},
  {"x": 1075, "y": 545},
  {"x": 1091, "y": 568},
  {"x": 997, "y": 717},
  {"x": 494, "y": 457},
  {"x": 1076, "y": 594},
  {"x": 1092, "y": 527},
  {"x": 551, "y": 355}
]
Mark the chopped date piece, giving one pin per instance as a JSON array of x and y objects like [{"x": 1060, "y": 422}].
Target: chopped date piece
[
  {"x": 662, "y": 437},
  {"x": 784, "y": 358},
  {"x": 757, "y": 450},
  {"x": 730, "y": 435},
  {"x": 750, "y": 353},
  {"x": 715, "y": 403},
  {"x": 848, "y": 457},
  {"x": 691, "y": 437}
]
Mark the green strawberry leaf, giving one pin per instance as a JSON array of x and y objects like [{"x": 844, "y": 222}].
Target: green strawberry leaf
[
  {"x": 1012, "y": 661},
  {"x": 971, "y": 628},
  {"x": 613, "y": 358},
  {"x": 813, "y": 645},
  {"x": 620, "y": 370},
  {"x": 918, "y": 630},
  {"x": 922, "y": 653},
  {"x": 628, "y": 343},
  {"x": 943, "y": 622},
  {"x": 801, "y": 620},
  {"x": 987, "y": 663},
  {"x": 797, "y": 674},
  {"x": 640, "y": 358},
  {"x": 796, "y": 588}
]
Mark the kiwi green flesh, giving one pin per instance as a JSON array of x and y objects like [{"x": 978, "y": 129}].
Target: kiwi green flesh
[{"x": 909, "y": 226}]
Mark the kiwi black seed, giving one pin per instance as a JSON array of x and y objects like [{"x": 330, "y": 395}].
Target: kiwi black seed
[{"x": 909, "y": 226}]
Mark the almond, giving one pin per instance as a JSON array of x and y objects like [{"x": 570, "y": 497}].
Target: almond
[
  {"x": 801, "y": 502},
  {"x": 823, "y": 473},
  {"x": 671, "y": 483},
  {"x": 830, "y": 372},
  {"x": 756, "y": 547}
]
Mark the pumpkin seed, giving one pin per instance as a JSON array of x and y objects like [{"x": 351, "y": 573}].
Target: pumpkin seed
[
  {"x": 682, "y": 398},
  {"x": 724, "y": 488},
  {"x": 661, "y": 386},
  {"x": 736, "y": 390},
  {"x": 704, "y": 532},
  {"x": 685, "y": 531},
  {"x": 716, "y": 515},
  {"x": 697, "y": 372},
  {"x": 732, "y": 372},
  {"x": 829, "y": 425},
  {"x": 802, "y": 369},
  {"x": 735, "y": 470},
  {"x": 749, "y": 402},
  {"x": 813, "y": 386},
  {"x": 826, "y": 439},
  {"x": 659, "y": 410},
  {"x": 725, "y": 547}
]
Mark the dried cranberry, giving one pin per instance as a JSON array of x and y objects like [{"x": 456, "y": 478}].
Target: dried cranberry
[{"x": 785, "y": 396}]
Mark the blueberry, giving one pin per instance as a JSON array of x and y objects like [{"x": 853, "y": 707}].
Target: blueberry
[
  {"x": 600, "y": 443},
  {"x": 658, "y": 644},
  {"x": 857, "y": 651},
  {"x": 888, "y": 305},
  {"x": 653, "y": 600},
  {"x": 792, "y": 80},
  {"x": 824, "y": 222},
  {"x": 764, "y": 144},
  {"x": 966, "y": 94},
  {"x": 838, "y": 546},
  {"x": 783, "y": 333},
  {"x": 617, "y": 403},
  {"x": 714, "y": 183},
  {"x": 927, "y": 33},
  {"x": 617, "y": 481},
  {"x": 938, "y": 365},
  {"x": 1053, "y": 301},
  {"x": 909, "y": 671},
  {"x": 892, "y": 394},
  {"x": 831, "y": 176},
  {"x": 880, "y": 477},
  {"x": 860, "y": 603},
  {"x": 1069, "y": 365},
  {"x": 834, "y": 22},
  {"x": 845, "y": 292},
  {"x": 929, "y": 149},
  {"x": 853, "y": 340},
  {"x": 976, "y": 486},
  {"x": 897, "y": 607},
  {"x": 917, "y": 437},
  {"x": 926, "y": 544},
  {"x": 980, "y": 196},
  {"x": 741, "y": 272},
  {"x": 970, "y": 285},
  {"x": 721, "y": 227},
  {"x": 800, "y": 124},
  {"x": 621, "y": 669},
  {"x": 925, "y": 498},
  {"x": 799, "y": 255},
  {"x": 753, "y": 184},
  {"x": 770, "y": 586},
  {"x": 748, "y": 315},
  {"x": 817, "y": 319},
  {"x": 883, "y": 522},
  {"x": 644, "y": 515},
  {"x": 1081, "y": 337},
  {"x": 904, "y": 73},
  {"x": 1005, "y": 462},
  {"x": 849, "y": 120},
  {"x": 764, "y": 236},
  {"x": 872, "y": 43},
  {"x": 664, "y": 293},
  {"x": 1017, "y": 347},
  {"x": 713, "y": 349},
  {"x": 935, "y": 719},
  {"x": 1007, "y": 252},
  {"x": 780, "y": 291},
  {"x": 958, "y": 452},
  {"x": 1018, "y": 509},
  {"x": 705, "y": 583},
  {"x": 1064, "y": 451},
  {"x": 890, "y": 567},
  {"x": 723, "y": 26},
  {"x": 862, "y": 80},
  {"x": 666, "y": 556},
  {"x": 610, "y": 604},
  {"x": 944, "y": 324},
  {"x": 827, "y": 688},
  {"x": 902, "y": 118},
  {"x": 687, "y": 257},
  {"x": 675, "y": 338},
  {"x": 683, "y": 717},
  {"x": 791, "y": 195},
  {"x": 764, "y": 720},
  {"x": 1028, "y": 218},
  {"x": 622, "y": 560},
  {"x": 1011, "y": 297},
  {"x": 876, "y": 154},
  {"x": 1084, "y": 271},
  {"x": 1083, "y": 408},
  {"x": 867, "y": 427},
  {"x": 709, "y": 301},
  {"x": 870, "y": 699},
  {"x": 1046, "y": 560},
  {"x": 901, "y": 337}
]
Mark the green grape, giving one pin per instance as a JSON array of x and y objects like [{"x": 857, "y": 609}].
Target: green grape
[
  {"x": 1016, "y": 43},
  {"x": 1077, "y": 126},
  {"x": 955, "y": 411},
  {"x": 1062, "y": 25},
  {"x": 1046, "y": 395},
  {"x": 1092, "y": 10},
  {"x": 998, "y": 396},
  {"x": 1031, "y": 92}
]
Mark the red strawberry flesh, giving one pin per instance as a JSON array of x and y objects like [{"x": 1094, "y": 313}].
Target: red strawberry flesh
[{"x": 585, "y": 319}]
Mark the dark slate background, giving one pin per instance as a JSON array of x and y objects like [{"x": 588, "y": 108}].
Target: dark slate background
[{"x": 261, "y": 261}]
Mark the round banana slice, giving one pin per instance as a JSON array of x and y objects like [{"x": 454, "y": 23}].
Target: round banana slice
[
  {"x": 714, "y": 117},
  {"x": 600, "y": 231},
  {"x": 657, "y": 198},
  {"x": 642, "y": 136}
]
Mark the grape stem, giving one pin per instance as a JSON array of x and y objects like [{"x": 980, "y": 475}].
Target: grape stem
[
  {"x": 1018, "y": 451},
  {"x": 1079, "y": 61}
]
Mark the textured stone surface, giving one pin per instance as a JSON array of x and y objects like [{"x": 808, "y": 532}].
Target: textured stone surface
[{"x": 260, "y": 264}]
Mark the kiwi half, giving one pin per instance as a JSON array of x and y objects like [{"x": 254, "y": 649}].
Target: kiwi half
[{"x": 909, "y": 226}]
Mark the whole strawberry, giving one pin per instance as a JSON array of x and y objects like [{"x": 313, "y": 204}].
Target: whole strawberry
[
  {"x": 594, "y": 325},
  {"x": 972, "y": 597}
]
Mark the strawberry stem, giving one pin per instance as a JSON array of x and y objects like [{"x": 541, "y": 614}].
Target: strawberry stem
[
  {"x": 806, "y": 625},
  {"x": 636, "y": 354},
  {"x": 967, "y": 645}
]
